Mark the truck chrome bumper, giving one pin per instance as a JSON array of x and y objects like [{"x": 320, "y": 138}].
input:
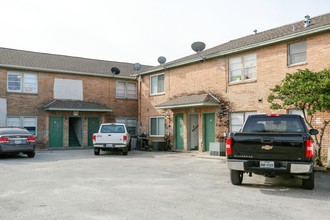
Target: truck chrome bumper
[
  {"x": 236, "y": 165},
  {"x": 109, "y": 145},
  {"x": 301, "y": 168},
  {"x": 286, "y": 167}
]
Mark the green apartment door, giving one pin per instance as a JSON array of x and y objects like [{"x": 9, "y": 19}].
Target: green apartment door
[
  {"x": 93, "y": 127},
  {"x": 55, "y": 131},
  {"x": 209, "y": 129},
  {"x": 178, "y": 132}
]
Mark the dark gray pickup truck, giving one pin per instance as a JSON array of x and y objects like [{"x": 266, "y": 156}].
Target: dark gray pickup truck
[{"x": 272, "y": 145}]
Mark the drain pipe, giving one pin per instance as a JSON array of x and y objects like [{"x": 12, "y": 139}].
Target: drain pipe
[{"x": 329, "y": 157}]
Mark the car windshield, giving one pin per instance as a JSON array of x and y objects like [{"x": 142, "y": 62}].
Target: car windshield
[
  {"x": 112, "y": 129},
  {"x": 274, "y": 124}
]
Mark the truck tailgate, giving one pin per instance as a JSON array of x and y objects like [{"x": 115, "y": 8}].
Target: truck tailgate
[
  {"x": 114, "y": 138},
  {"x": 267, "y": 146}
]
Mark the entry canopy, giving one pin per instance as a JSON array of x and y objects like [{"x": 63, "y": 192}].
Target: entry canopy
[
  {"x": 76, "y": 105},
  {"x": 201, "y": 100}
]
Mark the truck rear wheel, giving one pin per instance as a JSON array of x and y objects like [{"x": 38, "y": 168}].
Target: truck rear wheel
[
  {"x": 96, "y": 151},
  {"x": 125, "y": 151},
  {"x": 236, "y": 177},
  {"x": 308, "y": 183}
]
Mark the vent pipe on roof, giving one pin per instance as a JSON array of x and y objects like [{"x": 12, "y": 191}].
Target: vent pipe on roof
[
  {"x": 255, "y": 31},
  {"x": 307, "y": 21}
]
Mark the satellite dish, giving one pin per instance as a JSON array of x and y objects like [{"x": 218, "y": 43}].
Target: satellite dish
[
  {"x": 136, "y": 67},
  {"x": 161, "y": 60},
  {"x": 115, "y": 70},
  {"x": 198, "y": 46}
]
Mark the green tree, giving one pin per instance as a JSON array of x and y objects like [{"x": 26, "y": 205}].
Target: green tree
[{"x": 307, "y": 91}]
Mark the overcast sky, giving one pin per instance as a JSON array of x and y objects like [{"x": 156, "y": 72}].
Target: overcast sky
[{"x": 141, "y": 30}]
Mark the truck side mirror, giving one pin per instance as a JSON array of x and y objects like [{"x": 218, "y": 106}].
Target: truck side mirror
[{"x": 313, "y": 131}]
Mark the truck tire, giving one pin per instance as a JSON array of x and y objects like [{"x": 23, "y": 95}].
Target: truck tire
[
  {"x": 96, "y": 151},
  {"x": 308, "y": 183},
  {"x": 125, "y": 151},
  {"x": 236, "y": 177}
]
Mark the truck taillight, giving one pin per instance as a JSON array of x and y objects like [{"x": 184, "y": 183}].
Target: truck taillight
[
  {"x": 309, "y": 148},
  {"x": 31, "y": 139},
  {"x": 4, "y": 140},
  {"x": 229, "y": 146},
  {"x": 273, "y": 115},
  {"x": 94, "y": 138},
  {"x": 125, "y": 138}
]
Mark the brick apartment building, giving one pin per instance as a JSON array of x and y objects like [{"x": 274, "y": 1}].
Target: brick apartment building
[
  {"x": 197, "y": 100},
  {"x": 192, "y": 102},
  {"x": 63, "y": 99}
]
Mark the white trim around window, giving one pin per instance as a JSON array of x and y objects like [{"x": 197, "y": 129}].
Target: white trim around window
[
  {"x": 297, "y": 53},
  {"x": 130, "y": 124},
  {"x": 126, "y": 90},
  {"x": 243, "y": 68},
  {"x": 28, "y": 122},
  {"x": 296, "y": 112},
  {"x": 237, "y": 119},
  {"x": 157, "y": 126},
  {"x": 22, "y": 82},
  {"x": 157, "y": 84}
]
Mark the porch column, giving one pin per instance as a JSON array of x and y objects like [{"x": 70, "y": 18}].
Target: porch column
[
  {"x": 185, "y": 130},
  {"x": 200, "y": 130}
]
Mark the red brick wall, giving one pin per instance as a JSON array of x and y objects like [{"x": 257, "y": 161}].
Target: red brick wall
[
  {"x": 212, "y": 76},
  {"x": 101, "y": 90}
]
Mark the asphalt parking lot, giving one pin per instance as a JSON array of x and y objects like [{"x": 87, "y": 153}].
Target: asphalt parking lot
[{"x": 75, "y": 184}]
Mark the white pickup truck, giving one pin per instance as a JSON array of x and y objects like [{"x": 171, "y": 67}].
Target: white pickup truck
[{"x": 111, "y": 137}]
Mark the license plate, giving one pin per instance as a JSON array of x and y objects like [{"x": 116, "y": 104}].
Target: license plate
[
  {"x": 267, "y": 164},
  {"x": 18, "y": 141},
  {"x": 109, "y": 145}
]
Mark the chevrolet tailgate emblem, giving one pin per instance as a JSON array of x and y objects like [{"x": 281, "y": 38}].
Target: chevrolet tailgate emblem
[{"x": 267, "y": 147}]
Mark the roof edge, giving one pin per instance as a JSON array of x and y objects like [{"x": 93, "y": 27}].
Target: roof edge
[
  {"x": 63, "y": 71},
  {"x": 78, "y": 110},
  {"x": 240, "y": 49},
  {"x": 187, "y": 105},
  {"x": 273, "y": 41}
]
